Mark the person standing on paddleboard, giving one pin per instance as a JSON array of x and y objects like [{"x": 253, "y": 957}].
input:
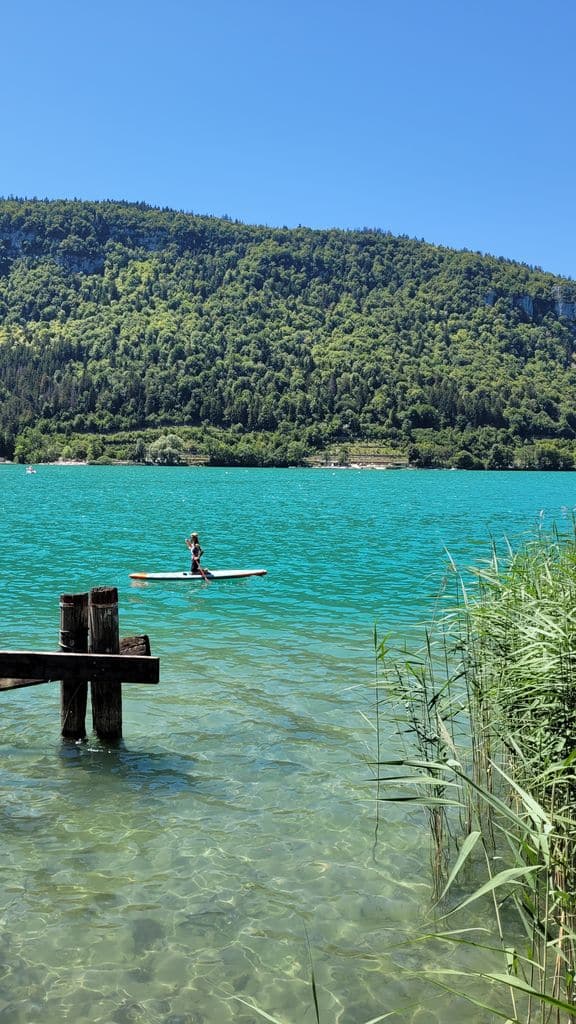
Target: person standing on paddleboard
[{"x": 196, "y": 552}]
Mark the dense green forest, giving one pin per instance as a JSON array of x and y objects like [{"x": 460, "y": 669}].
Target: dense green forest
[{"x": 141, "y": 333}]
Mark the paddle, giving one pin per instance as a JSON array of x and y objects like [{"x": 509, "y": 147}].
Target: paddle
[{"x": 204, "y": 574}]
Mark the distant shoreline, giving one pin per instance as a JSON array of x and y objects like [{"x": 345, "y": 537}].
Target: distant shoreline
[{"x": 353, "y": 466}]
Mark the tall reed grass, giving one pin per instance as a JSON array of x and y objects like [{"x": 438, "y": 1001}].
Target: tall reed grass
[{"x": 486, "y": 711}]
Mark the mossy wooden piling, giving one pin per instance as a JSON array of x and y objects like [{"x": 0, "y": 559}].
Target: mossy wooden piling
[
  {"x": 104, "y": 638},
  {"x": 90, "y": 651},
  {"x": 73, "y": 637}
]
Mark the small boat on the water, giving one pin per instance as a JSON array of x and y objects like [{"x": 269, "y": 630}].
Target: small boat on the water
[
  {"x": 30, "y": 469},
  {"x": 206, "y": 576}
]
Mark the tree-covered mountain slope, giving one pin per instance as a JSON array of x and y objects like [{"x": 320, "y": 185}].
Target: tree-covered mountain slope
[{"x": 121, "y": 322}]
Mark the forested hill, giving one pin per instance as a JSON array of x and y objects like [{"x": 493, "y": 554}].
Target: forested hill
[{"x": 122, "y": 325}]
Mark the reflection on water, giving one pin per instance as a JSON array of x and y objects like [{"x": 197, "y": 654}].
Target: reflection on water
[{"x": 229, "y": 840}]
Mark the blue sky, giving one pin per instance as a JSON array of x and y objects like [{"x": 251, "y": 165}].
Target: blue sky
[{"x": 443, "y": 120}]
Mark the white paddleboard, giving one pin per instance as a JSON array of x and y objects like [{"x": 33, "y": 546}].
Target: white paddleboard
[{"x": 194, "y": 577}]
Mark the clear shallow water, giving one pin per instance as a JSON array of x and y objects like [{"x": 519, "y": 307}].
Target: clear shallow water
[{"x": 171, "y": 878}]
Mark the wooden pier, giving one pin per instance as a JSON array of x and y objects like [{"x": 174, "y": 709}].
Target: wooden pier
[{"x": 91, "y": 652}]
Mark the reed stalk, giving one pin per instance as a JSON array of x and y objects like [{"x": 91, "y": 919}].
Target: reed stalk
[{"x": 486, "y": 712}]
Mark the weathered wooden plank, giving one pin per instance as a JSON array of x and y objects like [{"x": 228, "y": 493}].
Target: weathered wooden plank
[
  {"x": 55, "y": 666},
  {"x": 18, "y": 684}
]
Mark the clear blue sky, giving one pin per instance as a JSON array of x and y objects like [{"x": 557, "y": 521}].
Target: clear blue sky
[{"x": 448, "y": 120}]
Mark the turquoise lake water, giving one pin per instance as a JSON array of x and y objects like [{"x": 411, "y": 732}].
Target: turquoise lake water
[{"x": 230, "y": 840}]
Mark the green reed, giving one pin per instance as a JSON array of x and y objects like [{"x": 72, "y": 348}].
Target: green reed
[{"x": 486, "y": 711}]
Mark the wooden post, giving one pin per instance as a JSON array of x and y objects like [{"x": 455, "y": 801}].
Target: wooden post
[
  {"x": 135, "y": 645},
  {"x": 104, "y": 638},
  {"x": 73, "y": 637}
]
